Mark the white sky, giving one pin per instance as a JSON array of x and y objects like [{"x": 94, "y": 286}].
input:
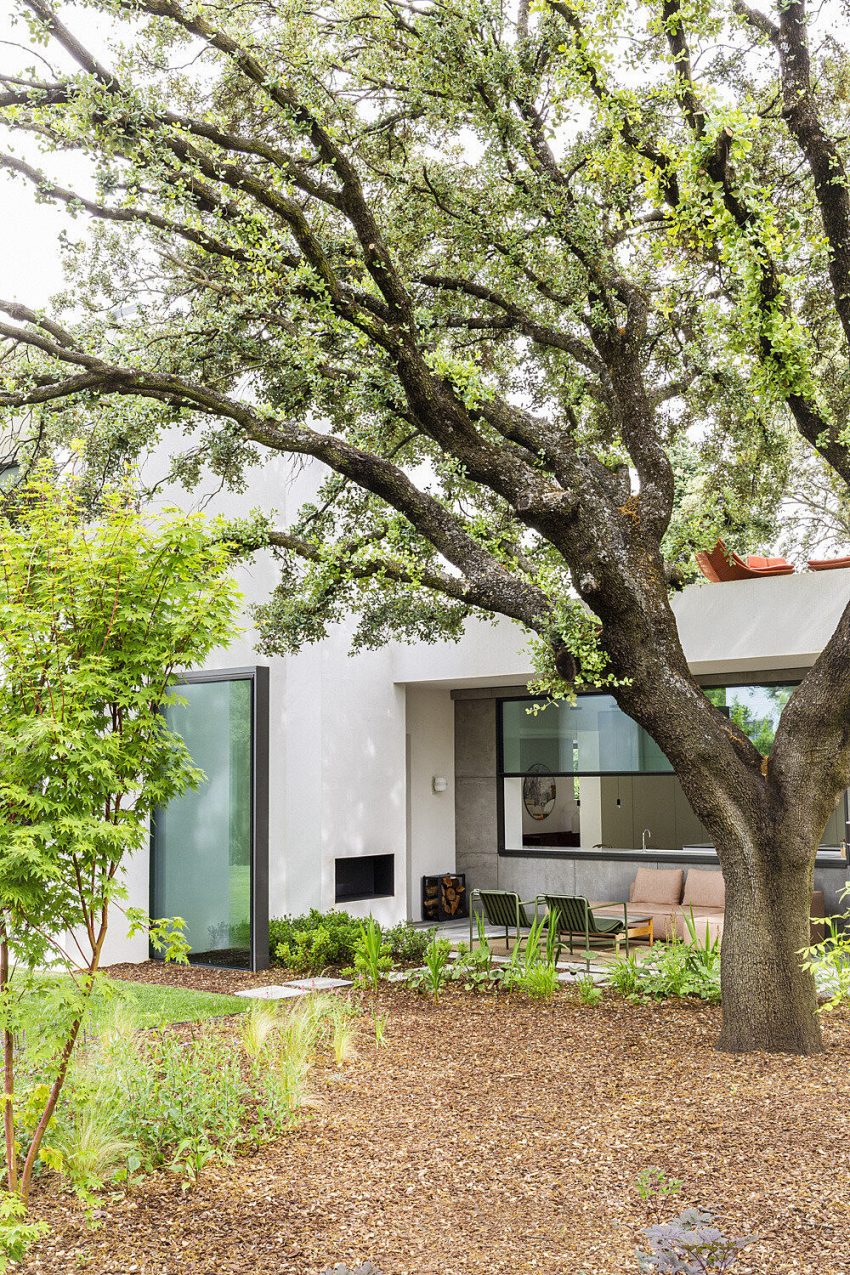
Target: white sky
[{"x": 30, "y": 266}]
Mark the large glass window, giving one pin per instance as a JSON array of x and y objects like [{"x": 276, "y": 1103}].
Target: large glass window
[
  {"x": 586, "y": 775},
  {"x": 202, "y": 842}
]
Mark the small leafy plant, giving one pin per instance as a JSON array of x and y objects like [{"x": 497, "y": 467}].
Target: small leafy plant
[
  {"x": 690, "y": 1245},
  {"x": 372, "y": 956},
  {"x": 588, "y": 993},
  {"x": 679, "y": 967},
  {"x": 655, "y": 1187},
  {"x": 474, "y": 966},
  {"x": 829, "y": 960},
  {"x": 17, "y": 1234},
  {"x": 436, "y": 972},
  {"x": 191, "y": 1157}
]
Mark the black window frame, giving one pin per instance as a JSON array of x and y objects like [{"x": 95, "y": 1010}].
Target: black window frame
[{"x": 707, "y": 683}]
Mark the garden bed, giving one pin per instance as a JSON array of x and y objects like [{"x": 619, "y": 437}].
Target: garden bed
[{"x": 501, "y": 1135}]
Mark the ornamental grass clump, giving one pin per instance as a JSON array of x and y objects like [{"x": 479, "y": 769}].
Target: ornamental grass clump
[{"x": 532, "y": 969}]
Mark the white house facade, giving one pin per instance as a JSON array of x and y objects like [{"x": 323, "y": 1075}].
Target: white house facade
[{"x": 341, "y": 781}]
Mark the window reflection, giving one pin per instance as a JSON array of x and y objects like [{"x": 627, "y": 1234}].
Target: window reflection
[
  {"x": 586, "y": 775},
  {"x": 201, "y": 848},
  {"x": 754, "y": 709}
]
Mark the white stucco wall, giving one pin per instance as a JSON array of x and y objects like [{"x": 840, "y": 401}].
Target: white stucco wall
[
  {"x": 757, "y": 625},
  {"x": 431, "y": 815},
  {"x": 350, "y": 735}
]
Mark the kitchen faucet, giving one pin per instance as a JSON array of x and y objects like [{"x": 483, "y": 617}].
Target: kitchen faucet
[{"x": 647, "y": 832}]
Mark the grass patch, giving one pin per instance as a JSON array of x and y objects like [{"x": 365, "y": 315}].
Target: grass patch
[
  {"x": 152, "y": 1005},
  {"x": 143, "y": 1004}
]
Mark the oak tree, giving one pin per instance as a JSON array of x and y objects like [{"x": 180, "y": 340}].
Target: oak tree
[{"x": 556, "y": 291}]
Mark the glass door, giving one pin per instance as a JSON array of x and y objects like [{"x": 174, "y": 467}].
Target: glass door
[{"x": 203, "y": 860}]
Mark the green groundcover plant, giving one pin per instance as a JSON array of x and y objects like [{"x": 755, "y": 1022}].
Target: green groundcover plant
[
  {"x": 679, "y": 967},
  {"x": 95, "y": 621}
]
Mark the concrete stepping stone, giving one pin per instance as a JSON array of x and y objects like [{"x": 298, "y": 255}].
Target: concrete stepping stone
[
  {"x": 273, "y": 992},
  {"x": 570, "y": 976},
  {"x": 317, "y": 984}
]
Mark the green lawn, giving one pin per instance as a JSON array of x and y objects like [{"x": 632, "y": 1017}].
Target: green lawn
[
  {"x": 140, "y": 1004},
  {"x": 151, "y": 1005}
]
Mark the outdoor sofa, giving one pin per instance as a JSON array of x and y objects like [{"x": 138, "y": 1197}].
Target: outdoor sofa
[{"x": 669, "y": 895}]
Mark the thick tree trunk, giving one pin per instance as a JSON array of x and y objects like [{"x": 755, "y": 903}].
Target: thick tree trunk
[{"x": 769, "y": 1002}]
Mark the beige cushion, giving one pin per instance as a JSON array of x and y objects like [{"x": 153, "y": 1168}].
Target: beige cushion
[
  {"x": 703, "y": 920},
  {"x": 657, "y": 885},
  {"x": 663, "y": 916},
  {"x": 704, "y": 888}
]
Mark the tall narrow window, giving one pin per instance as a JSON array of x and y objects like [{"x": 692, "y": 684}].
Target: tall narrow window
[{"x": 205, "y": 865}]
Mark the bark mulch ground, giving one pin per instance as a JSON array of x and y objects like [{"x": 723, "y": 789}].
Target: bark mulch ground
[{"x": 494, "y": 1136}]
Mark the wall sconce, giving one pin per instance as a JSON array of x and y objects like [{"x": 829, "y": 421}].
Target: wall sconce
[{"x": 439, "y": 783}]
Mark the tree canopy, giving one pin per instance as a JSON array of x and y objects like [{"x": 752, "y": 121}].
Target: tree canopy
[{"x": 502, "y": 268}]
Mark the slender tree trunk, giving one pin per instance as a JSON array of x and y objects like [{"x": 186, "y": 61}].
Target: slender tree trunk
[
  {"x": 62, "y": 1070},
  {"x": 8, "y": 1074},
  {"x": 769, "y": 1002}
]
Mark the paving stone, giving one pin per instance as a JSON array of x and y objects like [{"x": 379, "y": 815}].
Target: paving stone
[
  {"x": 569, "y": 977},
  {"x": 318, "y": 984},
  {"x": 272, "y": 993}
]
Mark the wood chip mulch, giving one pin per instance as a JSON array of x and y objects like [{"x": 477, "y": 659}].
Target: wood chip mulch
[{"x": 499, "y": 1135}]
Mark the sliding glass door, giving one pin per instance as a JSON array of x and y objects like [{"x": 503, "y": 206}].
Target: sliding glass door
[{"x": 207, "y": 861}]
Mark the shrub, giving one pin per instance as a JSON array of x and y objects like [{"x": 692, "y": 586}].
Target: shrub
[
  {"x": 407, "y": 944},
  {"x": 318, "y": 940},
  {"x": 308, "y": 944}
]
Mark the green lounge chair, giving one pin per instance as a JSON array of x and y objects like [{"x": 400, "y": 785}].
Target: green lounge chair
[
  {"x": 501, "y": 907},
  {"x": 573, "y": 915}
]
